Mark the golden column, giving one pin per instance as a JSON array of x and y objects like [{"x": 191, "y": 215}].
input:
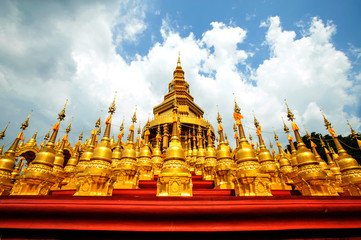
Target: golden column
[
  {"x": 126, "y": 172},
  {"x": 175, "y": 178},
  {"x": 39, "y": 177},
  {"x": 210, "y": 161},
  {"x": 144, "y": 162},
  {"x": 198, "y": 170},
  {"x": 194, "y": 153},
  {"x": 267, "y": 162},
  {"x": 249, "y": 181},
  {"x": 157, "y": 158},
  {"x": 58, "y": 169},
  {"x": 284, "y": 163},
  {"x": 226, "y": 167},
  {"x": 349, "y": 167},
  {"x": 98, "y": 180},
  {"x": 309, "y": 170}
]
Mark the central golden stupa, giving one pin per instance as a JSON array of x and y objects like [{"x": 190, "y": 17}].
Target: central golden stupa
[{"x": 189, "y": 113}]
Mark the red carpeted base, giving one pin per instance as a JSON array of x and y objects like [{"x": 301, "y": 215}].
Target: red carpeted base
[{"x": 162, "y": 214}]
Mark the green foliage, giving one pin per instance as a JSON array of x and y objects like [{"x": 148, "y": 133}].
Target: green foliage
[{"x": 348, "y": 143}]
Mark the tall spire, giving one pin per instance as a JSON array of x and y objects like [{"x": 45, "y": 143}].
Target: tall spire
[{"x": 2, "y": 134}]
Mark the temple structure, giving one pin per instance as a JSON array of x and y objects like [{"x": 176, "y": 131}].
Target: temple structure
[{"x": 177, "y": 177}]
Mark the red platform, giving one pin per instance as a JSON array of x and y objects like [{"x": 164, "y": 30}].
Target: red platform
[{"x": 209, "y": 210}]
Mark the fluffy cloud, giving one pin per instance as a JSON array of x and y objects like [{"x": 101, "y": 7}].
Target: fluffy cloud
[{"x": 49, "y": 57}]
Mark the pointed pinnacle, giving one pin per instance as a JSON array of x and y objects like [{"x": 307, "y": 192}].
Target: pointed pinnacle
[
  {"x": 134, "y": 118},
  {"x": 139, "y": 128},
  {"x": 81, "y": 135},
  {"x": 99, "y": 130},
  {"x": 112, "y": 107},
  {"x": 2, "y": 134},
  {"x": 47, "y": 136},
  {"x": 97, "y": 124},
  {"x": 354, "y": 134},
  {"x": 68, "y": 129},
  {"x": 236, "y": 108},
  {"x": 250, "y": 136},
  {"x": 62, "y": 113},
  {"x": 122, "y": 126},
  {"x": 234, "y": 127},
  {"x": 322, "y": 142},
  {"x": 270, "y": 143},
  {"x": 327, "y": 123},
  {"x": 256, "y": 123},
  {"x": 26, "y": 123},
  {"x": 285, "y": 128},
  {"x": 219, "y": 119},
  {"x": 289, "y": 113},
  {"x": 307, "y": 134},
  {"x": 275, "y": 135}
]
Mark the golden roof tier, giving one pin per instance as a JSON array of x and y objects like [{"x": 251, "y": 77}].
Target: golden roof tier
[{"x": 190, "y": 114}]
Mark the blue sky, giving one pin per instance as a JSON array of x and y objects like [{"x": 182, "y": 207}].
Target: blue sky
[{"x": 262, "y": 51}]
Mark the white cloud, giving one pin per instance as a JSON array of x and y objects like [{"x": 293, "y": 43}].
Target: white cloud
[{"x": 73, "y": 55}]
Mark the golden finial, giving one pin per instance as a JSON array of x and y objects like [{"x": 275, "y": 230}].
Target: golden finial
[
  {"x": 250, "y": 136},
  {"x": 97, "y": 124},
  {"x": 256, "y": 123},
  {"x": 307, "y": 134},
  {"x": 327, "y": 123},
  {"x": 62, "y": 113},
  {"x": 234, "y": 127},
  {"x": 179, "y": 62},
  {"x": 354, "y": 134},
  {"x": 219, "y": 119},
  {"x": 139, "y": 128},
  {"x": 289, "y": 113},
  {"x": 275, "y": 135},
  {"x": 270, "y": 143},
  {"x": 68, "y": 129},
  {"x": 225, "y": 136},
  {"x": 99, "y": 130},
  {"x": 26, "y": 123},
  {"x": 2, "y": 134},
  {"x": 285, "y": 128},
  {"x": 47, "y": 136},
  {"x": 112, "y": 107},
  {"x": 81, "y": 135},
  {"x": 134, "y": 118},
  {"x": 322, "y": 142},
  {"x": 122, "y": 126},
  {"x": 236, "y": 108}
]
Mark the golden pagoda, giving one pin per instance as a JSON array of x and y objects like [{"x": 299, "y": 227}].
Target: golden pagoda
[
  {"x": 39, "y": 176},
  {"x": 226, "y": 167},
  {"x": 189, "y": 113},
  {"x": 126, "y": 172},
  {"x": 349, "y": 167},
  {"x": 313, "y": 177},
  {"x": 249, "y": 180},
  {"x": 210, "y": 161},
  {"x": 175, "y": 178},
  {"x": 99, "y": 179}
]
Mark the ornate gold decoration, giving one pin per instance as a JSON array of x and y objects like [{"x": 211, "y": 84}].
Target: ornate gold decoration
[
  {"x": 226, "y": 167},
  {"x": 157, "y": 158},
  {"x": 210, "y": 161},
  {"x": 249, "y": 179},
  {"x": 349, "y": 168},
  {"x": 98, "y": 176},
  {"x": 175, "y": 178},
  {"x": 126, "y": 172},
  {"x": 38, "y": 177}
]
